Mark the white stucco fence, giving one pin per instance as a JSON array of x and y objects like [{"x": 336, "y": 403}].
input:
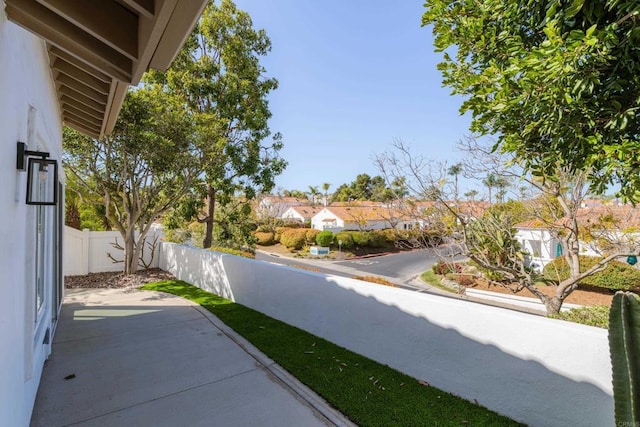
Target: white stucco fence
[
  {"x": 86, "y": 251},
  {"x": 539, "y": 371}
]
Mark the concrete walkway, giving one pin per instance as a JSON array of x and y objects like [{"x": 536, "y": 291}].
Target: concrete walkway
[{"x": 140, "y": 358}]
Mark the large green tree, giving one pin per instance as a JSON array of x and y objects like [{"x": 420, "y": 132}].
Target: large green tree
[
  {"x": 219, "y": 75},
  {"x": 365, "y": 187},
  {"x": 556, "y": 81},
  {"x": 139, "y": 171}
]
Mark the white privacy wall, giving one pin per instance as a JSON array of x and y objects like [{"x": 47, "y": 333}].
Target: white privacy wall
[
  {"x": 86, "y": 251},
  {"x": 539, "y": 371}
]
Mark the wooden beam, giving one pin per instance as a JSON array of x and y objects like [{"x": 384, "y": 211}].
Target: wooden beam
[
  {"x": 85, "y": 121},
  {"x": 81, "y": 101},
  {"x": 106, "y": 20},
  {"x": 116, "y": 98},
  {"x": 178, "y": 29},
  {"x": 81, "y": 111},
  {"x": 66, "y": 36},
  {"x": 81, "y": 127},
  {"x": 150, "y": 33},
  {"x": 67, "y": 81},
  {"x": 81, "y": 76},
  {"x": 54, "y": 52},
  {"x": 144, "y": 8}
]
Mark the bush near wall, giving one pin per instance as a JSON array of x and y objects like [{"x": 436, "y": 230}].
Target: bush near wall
[
  {"x": 617, "y": 276},
  {"x": 324, "y": 238},
  {"x": 294, "y": 238},
  {"x": 264, "y": 238},
  {"x": 597, "y": 315}
]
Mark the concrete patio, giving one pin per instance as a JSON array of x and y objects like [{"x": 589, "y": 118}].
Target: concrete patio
[{"x": 129, "y": 357}]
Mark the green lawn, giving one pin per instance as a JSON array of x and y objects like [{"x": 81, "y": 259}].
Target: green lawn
[
  {"x": 434, "y": 280},
  {"x": 369, "y": 393}
]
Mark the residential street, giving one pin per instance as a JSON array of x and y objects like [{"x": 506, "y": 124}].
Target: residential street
[{"x": 401, "y": 268}]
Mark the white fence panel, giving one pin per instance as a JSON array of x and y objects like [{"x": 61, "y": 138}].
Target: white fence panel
[
  {"x": 539, "y": 371},
  {"x": 86, "y": 251}
]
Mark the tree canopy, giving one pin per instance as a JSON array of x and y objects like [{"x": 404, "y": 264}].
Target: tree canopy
[
  {"x": 557, "y": 82},
  {"x": 139, "y": 171},
  {"x": 219, "y": 75}
]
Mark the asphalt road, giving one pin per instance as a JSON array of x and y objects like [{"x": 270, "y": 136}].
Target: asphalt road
[{"x": 401, "y": 267}]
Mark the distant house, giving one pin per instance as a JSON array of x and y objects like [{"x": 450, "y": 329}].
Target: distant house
[
  {"x": 276, "y": 206},
  {"x": 300, "y": 213},
  {"x": 537, "y": 240},
  {"x": 339, "y": 218},
  {"x": 612, "y": 223}
]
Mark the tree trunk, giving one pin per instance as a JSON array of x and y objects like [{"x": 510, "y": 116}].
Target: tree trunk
[
  {"x": 130, "y": 260},
  {"x": 211, "y": 206},
  {"x": 553, "y": 305}
]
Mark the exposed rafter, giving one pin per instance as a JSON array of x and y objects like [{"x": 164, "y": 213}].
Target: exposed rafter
[{"x": 97, "y": 48}]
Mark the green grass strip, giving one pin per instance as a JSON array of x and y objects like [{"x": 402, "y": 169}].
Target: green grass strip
[
  {"x": 436, "y": 281},
  {"x": 367, "y": 392}
]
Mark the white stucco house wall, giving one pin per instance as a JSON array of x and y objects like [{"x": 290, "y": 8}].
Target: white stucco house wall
[
  {"x": 59, "y": 65},
  {"x": 31, "y": 285},
  {"x": 538, "y": 242},
  {"x": 359, "y": 218},
  {"x": 300, "y": 213},
  {"x": 543, "y": 247}
]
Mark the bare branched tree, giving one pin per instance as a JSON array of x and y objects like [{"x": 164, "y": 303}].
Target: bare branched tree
[{"x": 489, "y": 237}]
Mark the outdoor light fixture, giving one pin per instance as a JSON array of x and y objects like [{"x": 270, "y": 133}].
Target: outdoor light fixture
[{"x": 42, "y": 176}]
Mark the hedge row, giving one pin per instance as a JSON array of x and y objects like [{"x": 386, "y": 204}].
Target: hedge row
[
  {"x": 296, "y": 238},
  {"x": 617, "y": 276}
]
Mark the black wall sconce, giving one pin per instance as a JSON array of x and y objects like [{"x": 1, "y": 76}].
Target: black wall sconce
[{"x": 42, "y": 176}]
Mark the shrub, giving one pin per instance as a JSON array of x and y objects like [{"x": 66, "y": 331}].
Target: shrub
[
  {"x": 597, "y": 315},
  {"x": 377, "y": 239},
  {"x": 294, "y": 238},
  {"x": 360, "y": 238},
  {"x": 311, "y": 236},
  {"x": 464, "y": 280},
  {"x": 292, "y": 223},
  {"x": 278, "y": 233},
  {"x": 264, "y": 238},
  {"x": 391, "y": 235},
  {"x": 347, "y": 239},
  {"x": 443, "y": 268},
  {"x": 324, "y": 238},
  {"x": 617, "y": 276}
]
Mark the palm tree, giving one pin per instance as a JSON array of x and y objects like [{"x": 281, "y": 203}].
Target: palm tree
[
  {"x": 490, "y": 181},
  {"x": 454, "y": 171},
  {"x": 313, "y": 191},
  {"x": 325, "y": 188},
  {"x": 502, "y": 184},
  {"x": 471, "y": 195}
]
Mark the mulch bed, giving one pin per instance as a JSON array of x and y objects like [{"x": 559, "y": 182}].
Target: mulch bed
[
  {"x": 579, "y": 296},
  {"x": 117, "y": 279}
]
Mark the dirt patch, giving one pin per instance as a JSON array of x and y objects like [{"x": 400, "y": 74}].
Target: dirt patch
[
  {"x": 117, "y": 279},
  {"x": 579, "y": 296}
]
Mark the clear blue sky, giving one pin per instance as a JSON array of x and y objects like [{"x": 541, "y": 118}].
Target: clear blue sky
[{"x": 353, "y": 76}]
